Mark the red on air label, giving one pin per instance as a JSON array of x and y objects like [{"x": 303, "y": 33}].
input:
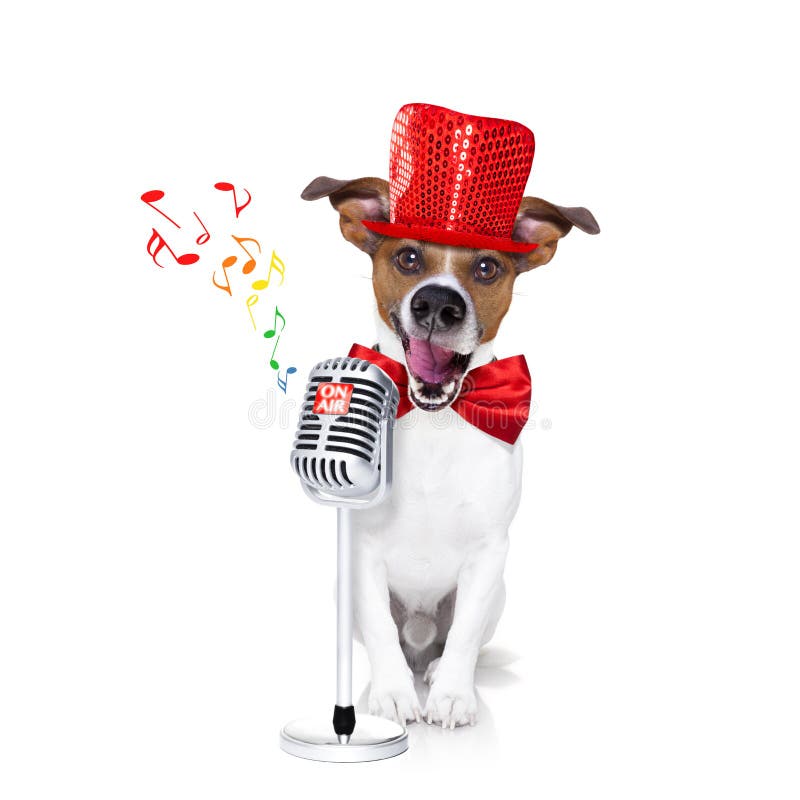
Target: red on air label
[{"x": 333, "y": 398}]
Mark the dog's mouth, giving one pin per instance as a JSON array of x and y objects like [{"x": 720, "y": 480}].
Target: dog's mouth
[{"x": 435, "y": 372}]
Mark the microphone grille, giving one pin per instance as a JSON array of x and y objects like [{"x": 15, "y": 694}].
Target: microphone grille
[{"x": 337, "y": 448}]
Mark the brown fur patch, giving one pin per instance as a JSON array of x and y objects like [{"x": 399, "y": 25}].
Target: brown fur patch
[
  {"x": 368, "y": 198},
  {"x": 491, "y": 300}
]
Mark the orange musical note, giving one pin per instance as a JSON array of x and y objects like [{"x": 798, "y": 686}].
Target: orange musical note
[
  {"x": 251, "y": 301},
  {"x": 275, "y": 264},
  {"x": 228, "y": 262},
  {"x": 204, "y": 236},
  {"x": 271, "y": 334},
  {"x": 282, "y": 383},
  {"x": 153, "y": 251},
  {"x": 250, "y": 265},
  {"x": 224, "y": 186},
  {"x": 152, "y": 197}
]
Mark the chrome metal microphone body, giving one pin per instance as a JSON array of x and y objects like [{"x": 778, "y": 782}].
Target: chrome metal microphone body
[{"x": 342, "y": 451}]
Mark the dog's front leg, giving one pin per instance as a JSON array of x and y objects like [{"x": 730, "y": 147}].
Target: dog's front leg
[
  {"x": 392, "y": 692},
  {"x": 451, "y": 700}
]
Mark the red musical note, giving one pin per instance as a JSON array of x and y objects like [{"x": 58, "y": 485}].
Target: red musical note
[
  {"x": 153, "y": 196},
  {"x": 204, "y": 236},
  {"x": 275, "y": 264},
  {"x": 224, "y": 186},
  {"x": 185, "y": 259},
  {"x": 228, "y": 262}
]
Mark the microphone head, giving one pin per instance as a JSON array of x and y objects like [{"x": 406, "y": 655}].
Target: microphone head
[{"x": 342, "y": 450}]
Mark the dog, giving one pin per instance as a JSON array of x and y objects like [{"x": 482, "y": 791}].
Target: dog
[{"x": 428, "y": 562}]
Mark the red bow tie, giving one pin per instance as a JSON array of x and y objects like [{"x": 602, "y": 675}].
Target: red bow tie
[{"x": 495, "y": 398}]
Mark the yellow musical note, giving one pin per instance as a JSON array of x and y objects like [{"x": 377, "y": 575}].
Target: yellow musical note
[
  {"x": 275, "y": 264},
  {"x": 251, "y": 301}
]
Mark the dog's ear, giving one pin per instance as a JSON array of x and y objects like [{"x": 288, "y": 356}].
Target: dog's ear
[
  {"x": 545, "y": 223},
  {"x": 364, "y": 198}
]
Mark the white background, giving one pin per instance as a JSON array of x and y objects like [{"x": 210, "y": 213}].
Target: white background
[{"x": 165, "y": 587}]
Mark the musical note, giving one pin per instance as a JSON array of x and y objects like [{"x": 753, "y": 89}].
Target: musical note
[
  {"x": 204, "y": 236},
  {"x": 250, "y": 265},
  {"x": 224, "y": 186},
  {"x": 228, "y": 262},
  {"x": 185, "y": 259},
  {"x": 282, "y": 383},
  {"x": 270, "y": 334},
  {"x": 272, "y": 362},
  {"x": 275, "y": 264},
  {"x": 251, "y": 301},
  {"x": 153, "y": 196}
]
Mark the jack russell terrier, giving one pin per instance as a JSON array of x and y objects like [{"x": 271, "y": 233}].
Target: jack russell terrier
[{"x": 448, "y": 235}]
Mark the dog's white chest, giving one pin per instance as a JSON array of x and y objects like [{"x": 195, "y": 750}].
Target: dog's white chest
[{"x": 453, "y": 487}]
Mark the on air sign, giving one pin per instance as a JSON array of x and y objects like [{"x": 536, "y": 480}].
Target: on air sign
[{"x": 333, "y": 398}]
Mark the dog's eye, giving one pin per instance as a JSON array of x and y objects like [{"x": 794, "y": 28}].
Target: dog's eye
[
  {"x": 408, "y": 259},
  {"x": 486, "y": 270}
]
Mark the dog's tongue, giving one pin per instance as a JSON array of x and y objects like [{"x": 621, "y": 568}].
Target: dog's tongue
[{"x": 427, "y": 361}]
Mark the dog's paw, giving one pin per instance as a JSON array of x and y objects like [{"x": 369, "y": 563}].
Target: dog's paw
[
  {"x": 451, "y": 703},
  {"x": 430, "y": 673},
  {"x": 395, "y": 698}
]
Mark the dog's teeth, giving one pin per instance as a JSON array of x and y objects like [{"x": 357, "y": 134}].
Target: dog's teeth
[{"x": 448, "y": 387}]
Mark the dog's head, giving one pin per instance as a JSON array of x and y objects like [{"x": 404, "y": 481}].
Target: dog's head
[{"x": 442, "y": 301}]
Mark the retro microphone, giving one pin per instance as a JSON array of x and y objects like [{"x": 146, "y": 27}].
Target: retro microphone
[{"x": 342, "y": 454}]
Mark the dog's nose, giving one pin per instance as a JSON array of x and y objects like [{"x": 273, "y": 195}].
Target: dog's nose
[{"x": 437, "y": 307}]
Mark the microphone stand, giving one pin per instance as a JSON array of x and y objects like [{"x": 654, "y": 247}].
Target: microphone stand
[
  {"x": 348, "y": 739},
  {"x": 366, "y": 738},
  {"x": 344, "y": 718}
]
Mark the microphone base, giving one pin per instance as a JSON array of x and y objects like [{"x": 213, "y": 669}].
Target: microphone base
[{"x": 374, "y": 738}]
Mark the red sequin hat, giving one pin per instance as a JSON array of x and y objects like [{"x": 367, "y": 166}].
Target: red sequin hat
[{"x": 456, "y": 179}]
